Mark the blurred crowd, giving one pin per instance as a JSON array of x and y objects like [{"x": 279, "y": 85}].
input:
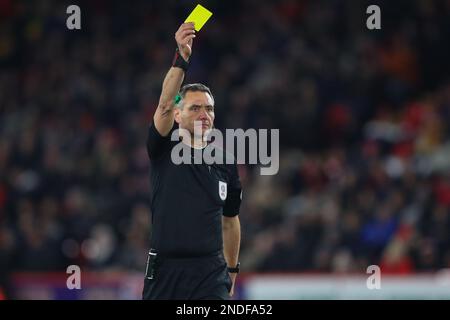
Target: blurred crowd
[{"x": 363, "y": 116}]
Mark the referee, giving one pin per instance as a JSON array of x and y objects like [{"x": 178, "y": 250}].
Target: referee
[{"x": 195, "y": 226}]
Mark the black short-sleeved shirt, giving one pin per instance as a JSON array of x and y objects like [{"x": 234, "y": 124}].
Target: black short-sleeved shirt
[{"x": 188, "y": 200}]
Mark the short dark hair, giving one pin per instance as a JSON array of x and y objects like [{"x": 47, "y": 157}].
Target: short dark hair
[{"x": 194, "y": 87}]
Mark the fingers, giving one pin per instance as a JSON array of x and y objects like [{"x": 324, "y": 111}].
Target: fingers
[
  {"x": 189, "y": 39},
  {"x": 186, "y": 40},
  {"x": 232, "y": 289},
  {"x": 186, "y": 25},
  {"x": 185, "y": 36},
  {"x": 186, "y": 33}
]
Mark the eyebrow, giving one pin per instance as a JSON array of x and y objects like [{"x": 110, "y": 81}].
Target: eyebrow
[{"x": 197, "y": 105}]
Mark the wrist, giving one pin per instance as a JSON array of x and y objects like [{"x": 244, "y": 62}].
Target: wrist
[
  {"x": 180, "y": 62},
  {"x": 235, "y": 269}
]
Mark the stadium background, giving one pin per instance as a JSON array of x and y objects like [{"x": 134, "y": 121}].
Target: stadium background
[{"x": 364, "y": 132}]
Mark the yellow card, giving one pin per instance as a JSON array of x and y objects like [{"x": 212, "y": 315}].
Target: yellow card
[{"x": 199, "y": 16}]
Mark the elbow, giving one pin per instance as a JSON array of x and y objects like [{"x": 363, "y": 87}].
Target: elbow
[{"x": 164, "y": 109}]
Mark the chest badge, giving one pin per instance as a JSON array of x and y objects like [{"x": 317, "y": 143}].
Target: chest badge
[{"x": 222, "y": 190}]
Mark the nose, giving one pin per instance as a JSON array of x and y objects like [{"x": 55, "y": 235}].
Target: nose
[{"x": 203, "y": 114}]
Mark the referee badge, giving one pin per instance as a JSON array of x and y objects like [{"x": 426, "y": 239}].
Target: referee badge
[{"x": 222, "y": 190}]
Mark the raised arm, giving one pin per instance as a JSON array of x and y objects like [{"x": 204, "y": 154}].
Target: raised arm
[{"x": 164, "y": 115}]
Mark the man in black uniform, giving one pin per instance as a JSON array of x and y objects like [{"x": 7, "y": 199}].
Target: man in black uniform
[{"x": 195, "y": 226}]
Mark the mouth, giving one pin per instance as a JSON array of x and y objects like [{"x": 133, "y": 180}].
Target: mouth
[{"x": 205, "y": 125}]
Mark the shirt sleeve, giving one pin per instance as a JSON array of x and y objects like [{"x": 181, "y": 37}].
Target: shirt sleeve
[
  {"x": 157, "y": 145},
  {"x": 234, "y": 198}
]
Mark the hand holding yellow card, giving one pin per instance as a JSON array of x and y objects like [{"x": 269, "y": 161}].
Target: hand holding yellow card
[{"x": 199, "y": 16}]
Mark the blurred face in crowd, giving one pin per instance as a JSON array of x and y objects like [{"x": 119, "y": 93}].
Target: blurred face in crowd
[{"x": 196, "y": 106}]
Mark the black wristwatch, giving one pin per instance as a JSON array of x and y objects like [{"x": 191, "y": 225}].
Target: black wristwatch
[
  {"x": 179, "y": 62},
  {"x": 235, "y": 269}
]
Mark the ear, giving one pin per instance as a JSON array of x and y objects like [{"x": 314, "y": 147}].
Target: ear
[{"x": 177, "y": 114}]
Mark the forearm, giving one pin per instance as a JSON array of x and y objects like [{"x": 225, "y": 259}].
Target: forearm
[
  {"x": 171, "y": 86},
  {"x": 231, "y": 240},
  {"x": 164, "y": 115}
]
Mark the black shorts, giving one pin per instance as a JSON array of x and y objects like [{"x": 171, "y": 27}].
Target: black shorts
[{"x": 202, "y": 278}]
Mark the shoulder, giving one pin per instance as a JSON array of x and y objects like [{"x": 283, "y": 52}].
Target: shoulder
[{"x": 158, "y": 145}]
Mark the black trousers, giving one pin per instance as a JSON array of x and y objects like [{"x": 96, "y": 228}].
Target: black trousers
[{"x": 200, "y": 278}]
